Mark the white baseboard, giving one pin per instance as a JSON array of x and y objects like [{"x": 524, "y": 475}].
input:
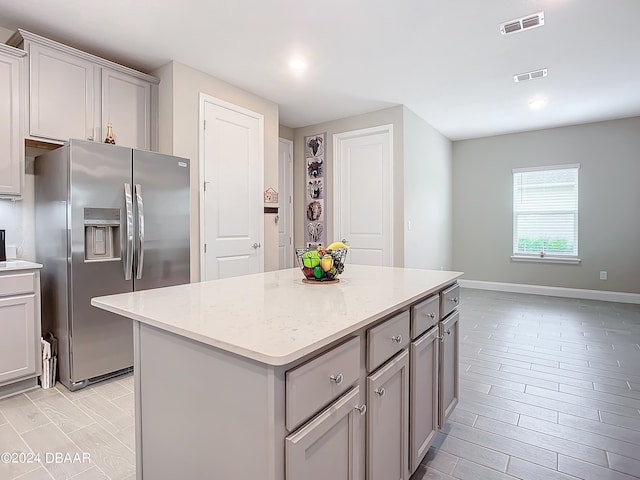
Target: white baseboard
[{"x": 621, "y": 297}]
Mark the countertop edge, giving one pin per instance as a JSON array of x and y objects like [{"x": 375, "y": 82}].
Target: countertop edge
[
  {"x": 274, "y": 360},
  {"x": 17, "y": 265}
]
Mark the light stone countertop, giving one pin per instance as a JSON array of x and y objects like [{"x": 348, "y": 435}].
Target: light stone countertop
[
  {"x": 11, "y": 265},
  {"x": 274, "y": 317}
]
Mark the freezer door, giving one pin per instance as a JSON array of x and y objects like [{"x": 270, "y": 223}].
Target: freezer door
[
  {"x": 162, "y": 220},
  {"x": 100, "y": 342}
]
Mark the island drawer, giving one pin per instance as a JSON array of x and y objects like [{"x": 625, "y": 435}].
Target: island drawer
[
  {"x": 17, "y": 284},
  {"x": 449, "y": 300},
  {"x": 314, "y": 384},
  {"x": 387, "y": 339},
  {"x": 425, "y": 315}
]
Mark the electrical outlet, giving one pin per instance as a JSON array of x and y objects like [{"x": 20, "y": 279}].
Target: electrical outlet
[
  {"x": 12, "y": 252},
  {"x": 603, "y": 275}
]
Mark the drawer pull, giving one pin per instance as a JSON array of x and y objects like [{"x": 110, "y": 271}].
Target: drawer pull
[
  {"x": 454, "y": 299},
  {"x": 337, "y": 379},
  {"x": 432, "y": 315},
  {"x": 397, "y": 338},
  {"x": 380, "y": 391},
  {"x": 361, "y": 408},
  {"x": 449, "y": 332}
]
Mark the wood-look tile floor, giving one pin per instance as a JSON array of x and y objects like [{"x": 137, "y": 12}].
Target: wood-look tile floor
[
  {"x": 97, "y": 423},
  {"x": 549, "y": 390}
]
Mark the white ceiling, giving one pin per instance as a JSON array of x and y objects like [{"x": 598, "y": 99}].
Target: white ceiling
[{"x": 444, "y": 59}]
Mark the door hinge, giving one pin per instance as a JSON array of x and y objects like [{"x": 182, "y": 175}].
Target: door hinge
[
  {"x": 205, "y": 248},
  {"x": 204, "y": 124}
]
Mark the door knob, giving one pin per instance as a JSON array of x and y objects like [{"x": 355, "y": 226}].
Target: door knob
[{"x": 256, "y": 245}]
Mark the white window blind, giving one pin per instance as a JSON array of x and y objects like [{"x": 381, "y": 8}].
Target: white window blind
[{"x": 545, "y": 211}]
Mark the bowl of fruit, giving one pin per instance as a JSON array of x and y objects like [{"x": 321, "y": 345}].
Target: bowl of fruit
[{"x": 322, "y": 264}]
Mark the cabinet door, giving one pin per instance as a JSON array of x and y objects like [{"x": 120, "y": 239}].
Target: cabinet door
[
  {"x": 10, "y": 141},
  {"x": 17, "y": 338},
  {"x": 126, "y": 104},
  {"x": 448, "y": 391},
  {"x": 330, "y": 445},
  {"x": 62, "y": 95},
  {"x": 388, "y": 420},
  {"x": 423, "y": 392}
]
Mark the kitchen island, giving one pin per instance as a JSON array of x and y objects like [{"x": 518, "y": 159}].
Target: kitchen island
[{"x": 266, "y": 377}]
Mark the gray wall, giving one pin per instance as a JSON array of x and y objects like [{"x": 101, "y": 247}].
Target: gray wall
[
  {"x": 180, "y": 88},
  {"x": 427, "y": 195},
  {"x": 387, "y": 116},
  {"x": 421, "y": 183},
  {"x": 609, "y": 204}
]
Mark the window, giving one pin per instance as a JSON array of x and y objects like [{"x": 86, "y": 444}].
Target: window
[{"x": 545, "y": 213}]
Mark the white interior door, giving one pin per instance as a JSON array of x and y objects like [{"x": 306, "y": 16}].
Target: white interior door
[
  {"x": 363, "y": 202},
  {"x": 285, "y": 199},
  {"x": 232, "y": 171}
]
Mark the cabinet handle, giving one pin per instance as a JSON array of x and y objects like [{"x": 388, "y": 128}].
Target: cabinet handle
[
  {"x": 361, "y": 408},
  {"x": 337, "y": 379},
  {"x": 454, "y": 299},
  {"x": 397, "y": 338},
  {"x": 449, "y": 332},
  {"x": 432, "y": 315},
  {"x": 380, "y": 391}
]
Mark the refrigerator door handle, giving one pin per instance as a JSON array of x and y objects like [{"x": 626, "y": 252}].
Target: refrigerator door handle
[
  {"x": 128, "y": 200},
  {"x": 140, "y": 231}
]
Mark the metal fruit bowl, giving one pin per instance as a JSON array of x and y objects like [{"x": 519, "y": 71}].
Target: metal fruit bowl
[{"x": 319, "y": 265}]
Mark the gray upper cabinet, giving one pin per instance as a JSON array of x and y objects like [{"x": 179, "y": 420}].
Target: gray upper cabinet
[
  {"x": 127, "y": 105},
  {"x": 11, "y": 144},
  {"x": 73, "y": 94},
  {"x": 61, "y": 96}
]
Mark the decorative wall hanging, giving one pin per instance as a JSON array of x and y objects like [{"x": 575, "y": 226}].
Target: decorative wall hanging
[
  {"x": 270, "y": 195},
  {"x": 315, "y": 231}
]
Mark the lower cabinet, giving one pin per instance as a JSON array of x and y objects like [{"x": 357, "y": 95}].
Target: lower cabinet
[
  {"x": 388, "y": 420},
  {"x": 373, "y": 414},
  {"x": 329, "y": 446},
  {"x": 19, "y": 331},
  {"x": 448, "y": 391},
  {"x": 423, "y": 413},
  {"x": 17, "y": 338}
]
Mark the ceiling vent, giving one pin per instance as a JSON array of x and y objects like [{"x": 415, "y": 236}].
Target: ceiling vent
[
  {"x": 524, "y": 23},
  {"x": 521, "y": 77}
]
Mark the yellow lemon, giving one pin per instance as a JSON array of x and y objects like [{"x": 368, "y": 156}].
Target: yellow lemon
[{"x": 326, "y": 262}]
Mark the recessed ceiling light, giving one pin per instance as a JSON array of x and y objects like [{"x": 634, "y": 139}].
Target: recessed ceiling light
[
  {"x": 538, "y": 103},
  {"x": 297, "y": 64}
]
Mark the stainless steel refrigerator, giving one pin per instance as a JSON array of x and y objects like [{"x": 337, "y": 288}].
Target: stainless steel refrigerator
[{"x": 109, "y": 220}]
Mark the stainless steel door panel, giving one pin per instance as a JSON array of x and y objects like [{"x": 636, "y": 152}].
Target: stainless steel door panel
[
  {"x": 101, "y": 342},
  {"x": 163, "y": 184}
]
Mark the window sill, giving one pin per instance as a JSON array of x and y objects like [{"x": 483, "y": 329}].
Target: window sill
[{"x": 549, "y": 259}]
